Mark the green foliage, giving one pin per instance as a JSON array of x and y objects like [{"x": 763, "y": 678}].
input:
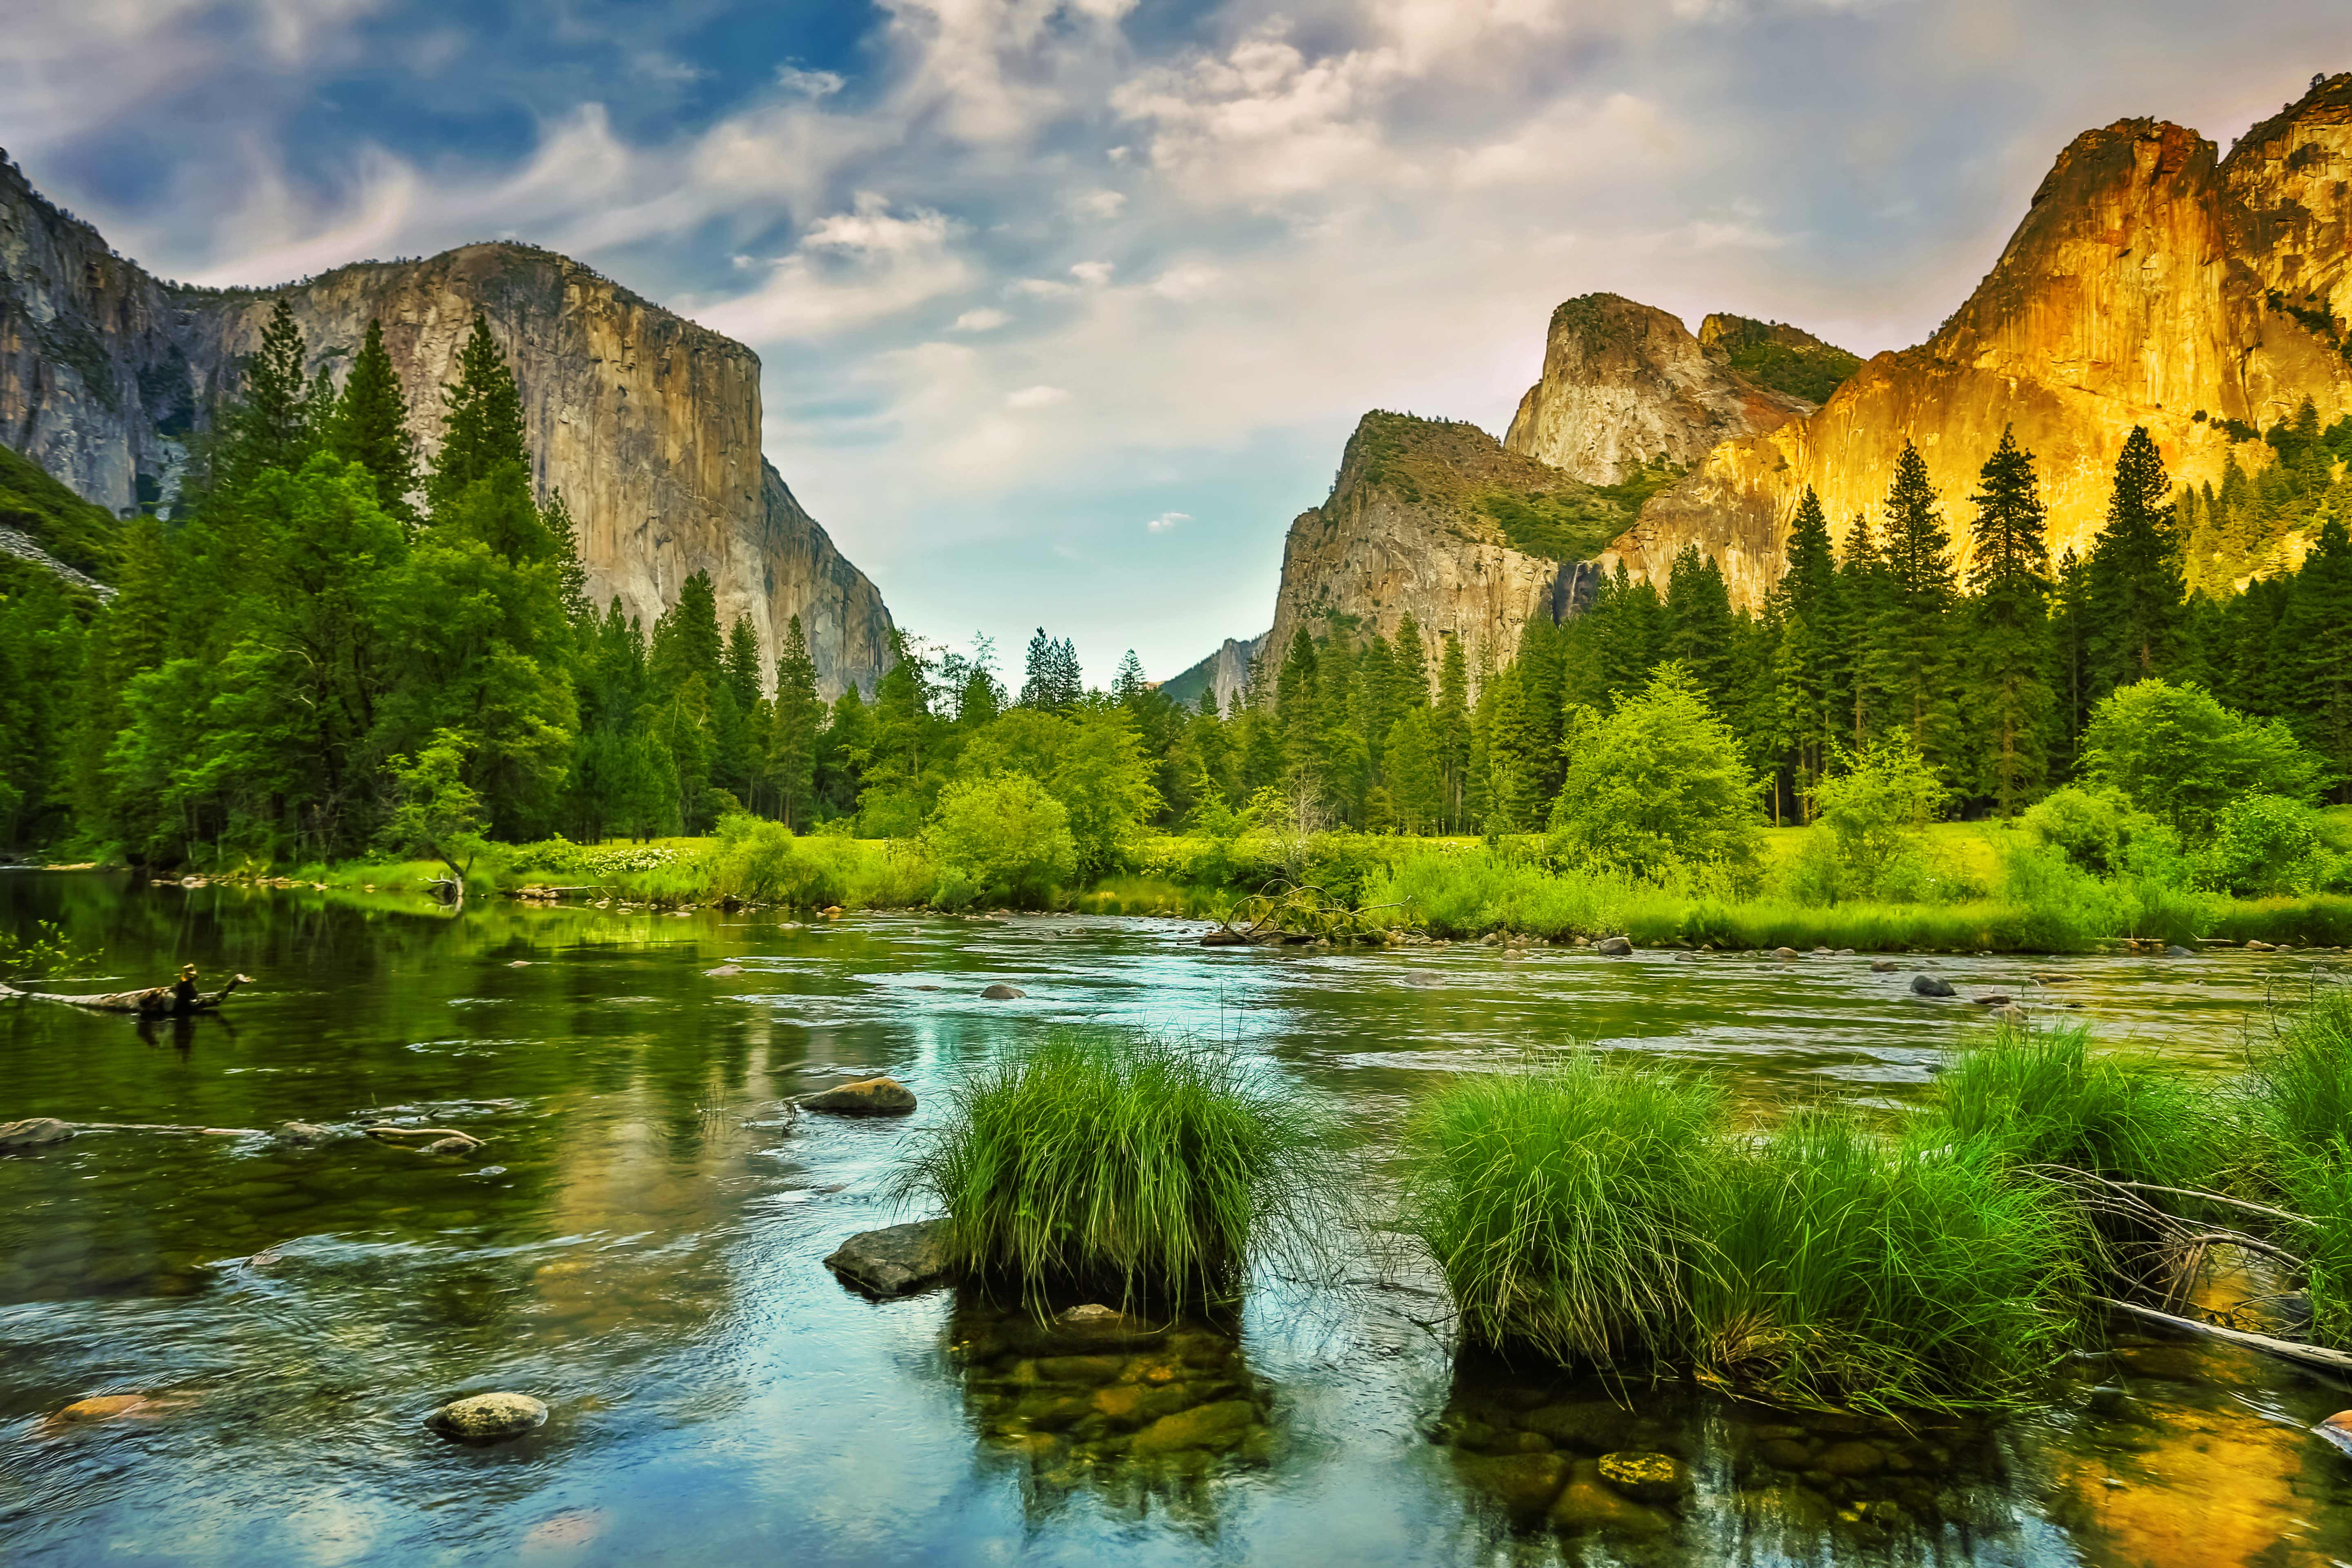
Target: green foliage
[
  {"x": 59, "y": 521},
  {"x": 1873, "y": 809},
  {"x": 43, "y": 953},
  {"x": 1808, "y": 370},
  {"x": 2043, "y": 1097},
  {"x": 2175, "y": 752},
  {"x": 2266, "y": 846},
  {"x": 1000, "y": 838},
  {"x": 438, "y": 814},
  {"x": 1659, "y": 782},
  {"x": 1154, "y": 1171},
  {"x": 1575, "y": 523}
]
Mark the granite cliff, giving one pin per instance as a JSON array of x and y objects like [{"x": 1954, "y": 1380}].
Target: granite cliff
[
  {"x": 648, "y": 425},
  {"x": 1438, "y": 519},
  {"x": 2151, "y": 282},
  {"x": 1224, "y": 672},
  {"x": 1626, "y": 387}
]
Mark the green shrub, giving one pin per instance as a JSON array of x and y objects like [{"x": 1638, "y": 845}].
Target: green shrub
[
  {"x": 999, "y": 839},
  {"x": 2264, "y": 845},
  {"x": 1151, "y": 1169},
  {"x": 763, "y": 862},
  {"x": 2175, "y": 752},
  {"x": 1658, "y": 782},
  {"x": 1874, "y": 808},
  {"x": 1558, "y": 1203}
]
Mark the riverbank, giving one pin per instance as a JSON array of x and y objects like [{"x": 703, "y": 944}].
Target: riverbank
[{"x": 1991, "y": 889}]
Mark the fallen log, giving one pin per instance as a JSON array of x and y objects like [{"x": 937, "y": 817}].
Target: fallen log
[
  {"x": 421, "y": 1132},
  {"x": 155, "y": 1002},
  {"x": 2285, "y": 1350}
]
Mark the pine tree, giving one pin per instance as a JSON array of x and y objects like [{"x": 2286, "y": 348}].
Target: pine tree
[
  {"x": 481, "y": 424},
  {"x": 1911, "y": 641},
  {"x": 1412, "y": 663},
  {"x": 1128, "y": 684},
  {"x": 1861, "y": 610},
  {"x": 2070, "y": 639},
  {"x": 2136, "y": 587},
  {"x": 269, "y": 428},
  {"x": 1416, "y": 781},
  {"x": 1451, "y": 716},
  {"x": 1808, "y": 664},
  {"x": 2315, "y": 632},
  {"x": 1699, "y": 624},
  {"x": 792, "y": 735},
  {"x": 370, "y": 427},
  {"x": 2010, "y": 701}
]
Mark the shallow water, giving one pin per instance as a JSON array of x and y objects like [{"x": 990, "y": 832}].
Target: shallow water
[{"x": 637, "y": 1242}]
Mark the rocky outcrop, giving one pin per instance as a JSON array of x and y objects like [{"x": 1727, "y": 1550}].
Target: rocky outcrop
[
  {"x": 2151, "y": 282},
  {"x": 1224, "y": 672},
  {"x": 645, "y": 423},
  {"x": 1625, "y": 386},
  {"x": 1421, "y": 520}
]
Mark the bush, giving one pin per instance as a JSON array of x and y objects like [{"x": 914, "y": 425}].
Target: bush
[
  {"x": 761, "y": 862},
  {"x": 1874, "y": 808},
  {"x": 2175, "y": 752},
  {"x": 2265, "y": 845},
  {"x": 2094, "y": 828},
  {"x": 1142, "y": 1168},
  {"x": 1658, "y": 782},
  {"x": 999, "y": 839}
]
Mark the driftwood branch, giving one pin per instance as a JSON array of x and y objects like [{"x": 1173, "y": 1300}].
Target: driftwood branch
[
  {"x": 155, "y": 1002},
  {"x": 421, "y": 1133},
  {"x": 2285, "y": 1350}
]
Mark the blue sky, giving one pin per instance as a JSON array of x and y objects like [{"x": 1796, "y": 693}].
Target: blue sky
[{"x": 1066, "y": 306}]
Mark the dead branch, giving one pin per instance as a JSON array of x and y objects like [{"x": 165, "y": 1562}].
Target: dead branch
[
  {"x": 421, "y": 1133},
  {"x": 2285, "y": 1350}
]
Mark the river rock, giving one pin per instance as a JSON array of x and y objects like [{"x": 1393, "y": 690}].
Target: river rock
[
  {"x": 99, "y": 1407},
  {"x": 1220, "y": 1425},
  {"x": 1785, "y": 953},
  {"x": 1930, "y": 985},
  {"x": 1522, "y": 1483},
  {"x": 1994, "y": 999},
  {"x": 2338, "y": 1429},
  {"x": 900, "y": 1260},
  {"x": 1585, "y": 1503},
  {"x": 1785, "y": 1454},
  {"x": 866, "y": 1096},
  {"x": 723, "y": 972},
  {"x": 2177, "y": 951},
  {"x": 1224, "y": 939},
  {"x": 1613, "y": 947},
  {"x": 33, "y": 1131},
  {"x": 487, "y": 1418},
  {"x": 302, "y": 1135},
  {"x": 1884, "y": 966},
  {"x": 1644, "y": 1478},
  {"x": 1852, "y": 1459},
  {"x": 1591, "y": 1423},
  {"x": 1002, "y": 992}
]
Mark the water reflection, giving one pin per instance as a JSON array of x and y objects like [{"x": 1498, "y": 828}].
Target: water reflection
[{"x": 1144, "y": 1415}]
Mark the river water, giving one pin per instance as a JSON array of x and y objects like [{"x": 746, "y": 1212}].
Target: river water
[{"x": 637, "y": 1242}]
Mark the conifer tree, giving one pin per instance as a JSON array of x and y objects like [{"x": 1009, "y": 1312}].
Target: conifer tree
[
  {"x": 1808, "y": 664},
  {"x": 2072, "y": 687},
  {"x": 792, "y": 735},
  {"x": 2010, "y": 698},
  {"x": 2136, "y": 587},
  {"x": 1416, "y": 783},
  {"x": 481, "y": 423},
  {"x": 1128, "y": 684},
  {"x": 1452, "y": 718},
  {"x": 370, "y": 427},
  {"x": 1861, "y": 610},
  {"x": 1911, "y": 640},
  {"x": 269, "y": 428},
  {"x": 2314, "y": 636},
  {"x": 1699, "y": 624},
  {"x": 1412, "y": 655}
]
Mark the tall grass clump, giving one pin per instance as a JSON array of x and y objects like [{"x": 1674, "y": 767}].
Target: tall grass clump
[
  {"x": 1558, "y": 1202},
  {"x": 2042, "y": 1096},
  {"x": 1153, "y": 1169},
  {"x": 2298, "y": 1115},
  {"x": 1838, "y": 1268}
]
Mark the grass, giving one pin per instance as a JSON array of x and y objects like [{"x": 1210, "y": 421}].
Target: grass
[
  {"x": 1558, "y": 1203},
  {"x": 1603, "y": 1212},
  {"x": 2297, "y": 1117},
  {"x": 1153, "y": 1170}
]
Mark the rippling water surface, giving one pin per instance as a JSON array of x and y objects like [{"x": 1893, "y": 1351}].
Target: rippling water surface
[{"x": 637, "y": 1242}]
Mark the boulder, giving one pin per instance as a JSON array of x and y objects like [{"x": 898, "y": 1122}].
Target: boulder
[
  {"x": 1002, "y": 992},
  {"x": 1522, "y": 1483},
  {"x": 899, "y": 1261},
  {"x": 1644, "y": 1477},
  {"x": 1884, "y": 966},
  {"x": 1586, "y": 1503},
  {"x": 1613, "y": 947},
  {"x": 33, "y": 1131},
  {"x": 1853, "y": 1458},
  {"x": 1930, "y": 985},
  {"x": 866, "y": 1096},
  {"x": 487, "y": 1418},
  {"x": 1218, "y": 1426},
  {"x": 302, "y": 1134},
  {"x": 2177, "y": 951},
  {"x": 1784, "y": 953}
]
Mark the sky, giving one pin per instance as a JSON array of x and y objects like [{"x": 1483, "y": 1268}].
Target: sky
[{"x": 1066, "y": 307}]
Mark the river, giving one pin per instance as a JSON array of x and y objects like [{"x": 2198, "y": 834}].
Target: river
[{"x": 638, "y": 1240}]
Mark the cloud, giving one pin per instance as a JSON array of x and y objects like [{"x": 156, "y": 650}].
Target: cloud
[
  {"x": 986, "y": 318},
  {"x": 804, "y": 83},
  {"x": 1167, "y": 521},
  {"x": 849, "y": 270},
  {"x": 1103, "y": 204},
  {"x": 1037, "y": 397}
]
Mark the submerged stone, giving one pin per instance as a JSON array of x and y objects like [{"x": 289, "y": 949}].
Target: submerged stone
[
  {"x": 1595, "y": 1424},
  {"x": 1646, "y": 1477},
  {"x": 1220, "y": 1425},
  {"x": 899, "y": 1260},
  {"x": 1002, "y": 992},
  {"x": 1521, "y": 1483},
  {"x": 33, "y": 1131},
  {"x": 866, "y": 1096},
  {"x": 302, "y": 1134},
  {"x": 99, "y": 1407},
  {"x": 1884, "y": 966},
  {"x": 1586, "y": 1503},
  {"x": 487, "y": 1418},
  {"x": 1852, "y": 1459}
]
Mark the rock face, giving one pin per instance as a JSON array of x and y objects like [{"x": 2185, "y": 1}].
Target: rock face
[
  {"x": 1626, "y": 386},
  {"x": 646, "y": 423},
  {"x": 1224, "y": 672},
  {"x": 1414, "y": 523},
  {"x": 2151, "y": 282}
]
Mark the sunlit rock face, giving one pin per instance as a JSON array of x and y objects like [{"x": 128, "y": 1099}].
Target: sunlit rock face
[
  {"x": 646, "y": 423},
  {"x": 2151, "y": 282},
  {"x": 1403, "y": 533},
  {"x": 1625, "y": 384}
]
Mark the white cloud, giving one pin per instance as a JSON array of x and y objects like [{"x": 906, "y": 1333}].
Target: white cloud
[
  {"x": 793, "y": 78},
  {"x": 986, "y": 318},
  {"x": 1105, "y": 204},
  {"x": 1093, "y": 274},
  {"x": 1167, "y": 521},
  {"x": 1037, "y": 397},
  {"x": 850, "y": 269}
]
